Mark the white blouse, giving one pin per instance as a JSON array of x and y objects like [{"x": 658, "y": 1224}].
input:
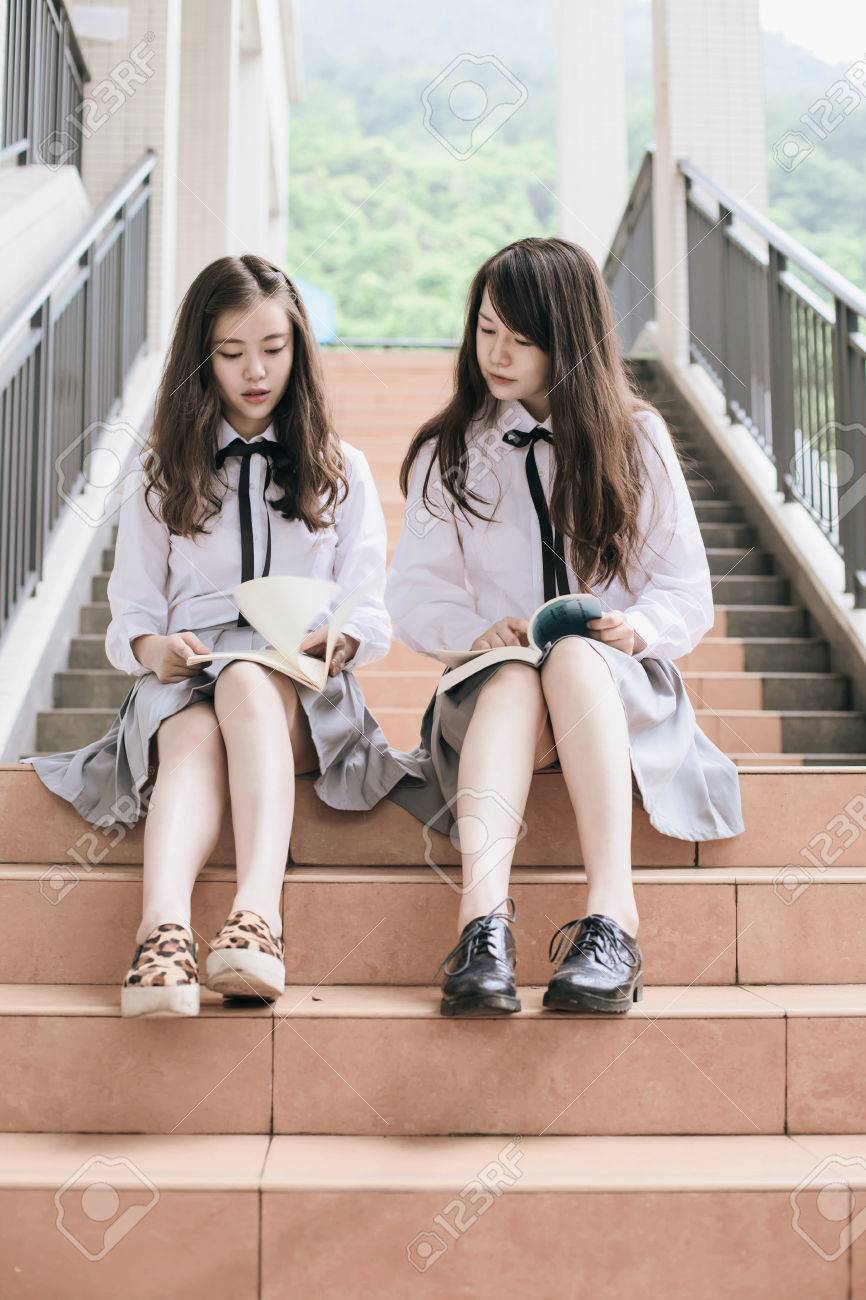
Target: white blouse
[
  {"x": 452, "y": 579},
  {"x": 162, "y": 583}
]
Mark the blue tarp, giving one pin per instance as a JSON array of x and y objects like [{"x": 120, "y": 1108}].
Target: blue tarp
[{"x": 321, "y": 309}]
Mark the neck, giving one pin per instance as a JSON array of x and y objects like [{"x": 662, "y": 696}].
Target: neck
[
  {"x": 538, "y": 407},
  {"x": 246, "y": 427}
]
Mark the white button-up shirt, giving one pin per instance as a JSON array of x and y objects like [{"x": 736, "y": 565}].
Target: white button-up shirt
[
  {"x": 451, "y": 579},
  {"x": 162, "y": 583}
]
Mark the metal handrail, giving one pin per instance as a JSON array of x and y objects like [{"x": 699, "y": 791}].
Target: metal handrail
[
  {"x": 790, "y": 364},
  {"x": 15, "y": 150},
  {"x": 640, "y": 192},
  {"x": 835, "y": 284},
  {"x": 65, "y": 353},
  {"x": 628, "y": 268},
  {"x": 19, "y": 317},
  {"x": 43, "y": 87}
]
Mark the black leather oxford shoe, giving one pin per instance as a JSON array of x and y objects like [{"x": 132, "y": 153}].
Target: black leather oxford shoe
[
  {"x": 601, "y": 968},
  {"x": 482, "y": 981}
]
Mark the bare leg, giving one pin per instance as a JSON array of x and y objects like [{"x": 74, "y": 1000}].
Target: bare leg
[
  {"x": 191, "y": 778},
  {"x": 592, "y": 743},
  {"x": 496, "y": 764},
  {"x": 267, "y": 739}
]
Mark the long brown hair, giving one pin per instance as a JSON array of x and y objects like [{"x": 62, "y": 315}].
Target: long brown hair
[
  {"x": 551, "y": 292},
  {"x": 180, "y": 465}
]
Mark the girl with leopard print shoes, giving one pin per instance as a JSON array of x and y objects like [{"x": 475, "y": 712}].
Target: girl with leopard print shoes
[{"x": 241, "y": 476}]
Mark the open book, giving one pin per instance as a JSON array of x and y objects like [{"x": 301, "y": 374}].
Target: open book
[
  {"x": 282, "y": 609},
  {"x": 562, "y": 616}
]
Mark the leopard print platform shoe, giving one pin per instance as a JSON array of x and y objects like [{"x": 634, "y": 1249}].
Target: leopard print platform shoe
[
  {"x": 245, "y": 959},
  {"x": 163, "y": 977}
]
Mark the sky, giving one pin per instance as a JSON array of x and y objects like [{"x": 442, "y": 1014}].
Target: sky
[{"x": 836, "y": 32}]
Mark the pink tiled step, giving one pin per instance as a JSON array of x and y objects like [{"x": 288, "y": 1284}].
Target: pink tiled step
[
  {"x": 361, "y": 925},
  {"x": 798, "y": 803},
  {"x": 370, "y": 1060},
  {"x": 436, "y": 1217}
]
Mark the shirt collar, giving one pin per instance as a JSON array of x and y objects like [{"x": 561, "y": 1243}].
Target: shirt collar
[
  {"x": 514, "y": 415},
  {"x": 227, "y": 434}
]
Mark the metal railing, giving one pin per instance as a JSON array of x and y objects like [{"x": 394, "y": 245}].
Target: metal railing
[
  {"x": 780, "y": 334},
  {"x": 64, "y": 355},
  {"x": 628, "y": 269},
  {"x": 44, "y": 85}
]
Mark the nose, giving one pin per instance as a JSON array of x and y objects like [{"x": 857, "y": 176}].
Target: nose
[
  {"x": 499, "y": 354},
  {"x": 254, "y": 368}
]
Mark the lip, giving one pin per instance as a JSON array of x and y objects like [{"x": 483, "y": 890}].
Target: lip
[
  {"x": 500, "y": 379},
  {"x": 256, "y": 397}
]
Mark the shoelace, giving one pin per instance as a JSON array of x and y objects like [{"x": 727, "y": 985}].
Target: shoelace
[
  {"x": 600, "y": 940},
  {"x": 479, "y": 937}
]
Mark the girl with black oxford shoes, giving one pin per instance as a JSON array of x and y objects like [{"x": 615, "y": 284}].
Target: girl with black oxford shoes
[
  {"x": 242, "y": 477},
  {"x": 546, "y": 474}
]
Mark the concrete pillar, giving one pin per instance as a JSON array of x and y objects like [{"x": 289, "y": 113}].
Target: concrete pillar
[
  {"x": 4, "y": 21},
  {"x": 592, "y": 142},
  {"x": 708, "y": 98},
  {"x": 208, "y": 151}
]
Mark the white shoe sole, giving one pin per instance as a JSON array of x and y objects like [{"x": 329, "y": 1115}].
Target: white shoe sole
[
  {"x": 159, "y": 999},
  {"x": 245, "y": 973}
]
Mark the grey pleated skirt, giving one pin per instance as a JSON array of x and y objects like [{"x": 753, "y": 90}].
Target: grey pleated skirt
[
  {"x": 689, "y": 789},
  {"x": 110, "y": 780}
]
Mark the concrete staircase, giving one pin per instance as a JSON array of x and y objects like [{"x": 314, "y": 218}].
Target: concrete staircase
[
  {"x": 760, "y": 681},
  {"x": 348, "y": 1140}
]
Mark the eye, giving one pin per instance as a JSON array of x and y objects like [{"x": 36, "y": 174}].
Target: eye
[
  {"x": 485, "y": 331},
  {"x": 524, "y": 343},
  {"x": 230, "y": 356},
  {"x": 272, "y": 352}
]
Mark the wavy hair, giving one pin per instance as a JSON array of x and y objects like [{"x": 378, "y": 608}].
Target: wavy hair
[
  {"x": 551, "y": 292},
  {"x": 180, "y": 466}
]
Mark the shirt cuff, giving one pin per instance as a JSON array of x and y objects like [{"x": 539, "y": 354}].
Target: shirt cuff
[
  {"x": 373, "y": 644},
  {"x": 645, "y": 630},
  {"x": 118, "y": 645},
  {"x": 357, "y": 659}
]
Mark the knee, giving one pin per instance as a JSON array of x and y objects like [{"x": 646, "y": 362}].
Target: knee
[
  {"x": 512, "y": 686},
  {"x": 192, "y": 734},
  {"x": 243, "y": 688},
  {"x": 572, "y": 657}
]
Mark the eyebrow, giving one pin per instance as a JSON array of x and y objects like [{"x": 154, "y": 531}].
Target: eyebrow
[
  {"x": 484, "y": 316},
  {"x": 281, "y": 335}
]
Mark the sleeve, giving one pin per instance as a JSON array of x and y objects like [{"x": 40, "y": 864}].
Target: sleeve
[
  {"x": 427, "y": 592},
  {"x": 675, "y": 608},
  {"x": 360, "y": 557},
  {"x": 137, "y": 588}
]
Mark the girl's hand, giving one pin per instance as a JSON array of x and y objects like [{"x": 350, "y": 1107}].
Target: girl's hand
[
  {"x": 345, "y": 648},
  {"x": 614, "y": 629},
  {"x": 167, "y": 655},
  {"x": 508, "y": 631}
]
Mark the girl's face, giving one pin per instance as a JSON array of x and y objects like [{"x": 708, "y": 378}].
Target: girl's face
[
  {"x": 513, "y": 368},
  {"x": 252, "y": 361}
]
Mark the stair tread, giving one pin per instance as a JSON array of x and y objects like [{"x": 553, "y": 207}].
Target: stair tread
[
  {"x": 407, "y": 710},
  {"x": 396, "y": 1002},
  {"x": 421, "y": 674},
  {"x": 377, "y": 875},
  {"x": 295, "y": 1163}
]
